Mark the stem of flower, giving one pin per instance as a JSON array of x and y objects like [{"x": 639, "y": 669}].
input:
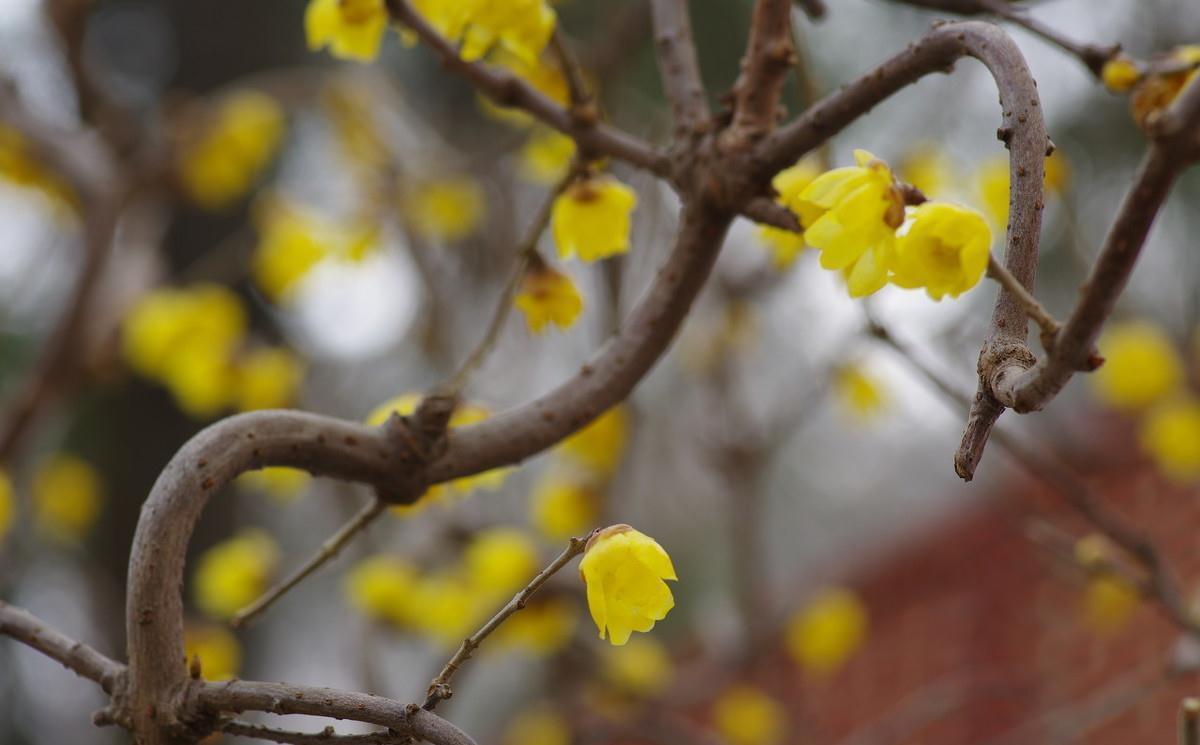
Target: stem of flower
[{"x": 1034, "y": 309}]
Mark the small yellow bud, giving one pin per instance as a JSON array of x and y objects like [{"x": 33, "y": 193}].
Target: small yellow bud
[
  {"x": 1109, "y": 602},
  {"x": 1120, "y": 74},
  {"x": 546, "y": 156}
]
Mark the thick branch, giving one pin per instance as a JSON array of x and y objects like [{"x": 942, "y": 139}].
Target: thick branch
[
  {"x": 326, "y": 736},
  {"x": 770, "y": 54},
  {"x": 678, "y": 67},
  {"x": 74, "y": 655},
  {"x": 507, "y": 89}
]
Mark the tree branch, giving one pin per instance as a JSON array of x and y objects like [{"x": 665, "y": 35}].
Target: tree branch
[
  {"x": 326, "y": 736},
  {"x": 770, "y": 55},
  {"x": 678, "y": 67},
  {"x": 74, "y": 655},
  {"x": 507, "y": 89}
]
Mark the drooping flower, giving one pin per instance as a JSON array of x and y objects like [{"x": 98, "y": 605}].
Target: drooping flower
[
  {"x": 219, "y": 162},
  {"x": 1171, "y": 435},
  {"x": 786, "y": 245},
  {"x": 217, "y": 649},
  {"x": 746, "y": 715},
  {"x": 67, "y": 496},
  {"x": 625, "y": 571},
  {"x": 600, "y": 445},
  {"x": 1120, "y": 73},
  {"x": 351, "y": 29},
  {"x": 234, "y": 573},
  {"x": 1141, "y": 366},
  {"x": 447, "y": 209},
  {"x": 548, "y": 296},
  {"x": 267, "y": 378},
  {"x": 591, "y": 219},
  {"x": 641, "y": 668},
  {"x": 945, "y": 250},
  {"x": 827, "y": 631},
  {"x": 563, "y": 507},
  {"x": 851, "y": 215}
]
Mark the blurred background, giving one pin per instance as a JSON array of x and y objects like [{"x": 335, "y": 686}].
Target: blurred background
[{"x": 838, "y": 583}]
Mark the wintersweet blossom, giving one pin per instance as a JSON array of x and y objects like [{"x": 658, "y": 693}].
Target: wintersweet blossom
[
  {"x": 548, "y": 296},
  {"x": 591, "y": 219},
  {"x": 641, "y": 668},
  {"x": 786, "y": 245},
  {"x": 746, "y": 715},
  {"x": 928, "y": 168},
  {"x": 860, "y": 393},
  {"x": 233, "y": 573},
  {"x": 600, "y": 445},
  {"x": 546, "y": 156},
  {"x": 267, "y": 378},
  {"x": 1120, "y": 73},
  {"x": 543, "y": 627},
  {"x": 381, "y": 587},
  {"x": 826, "y": 632},
  {"x": 1156, "y": 92},
  {"x": 1171, "y": 435},
  {"x": 499, "y": 560},
  {"x": 625, "y": 571},
  {"x": 67, "y": 497},
  {"x": 520, "y": 27},
  {"x": 215, "y": 647},
  {"x": 351, "y": 29},
  {"x": 945, "y": 250},
  {"x": 563, "y": 507},
  {"x": 1141, "y": 366},
  {"x": 447, "y": 209},
  {"x": 219, "y": 162},
  {"x": 851, "y": 215}
]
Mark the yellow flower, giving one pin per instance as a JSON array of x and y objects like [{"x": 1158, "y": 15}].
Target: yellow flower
[
  {"x": 8, "y": 504},
  {"x": 624, "y": 572},
  {"x": 1156, "y": 92},
  {"x": 861, "y": 393},
  {"x": 563, "y": 508},
  {"x": 827, "y": 631},
  {"x": 201, "y": 378},
  {"x": 991, "y": 181},
  {"x": 745, "y": 715},
  {"x": 544, "y": 74},
  {"x": 352, "y": 29},
  {"x": 450, "y": 608},
  {"x": 268, "y": 378},
  {"x": 465, "y": 415},
  {"x": 786, "y": 245},
  {"x": 223, "y": 159},
  {"x": 1120, "y": 74},
  {"x": 290, "y": 243},
  {"x": 218, "y": 650},
  {"x": 499, "y": 560},
  {"x": 539, "y": 726},
  {"x": 929, "y": 169},
  {"x": 1109, "y": 603},
  {"x": 1171, "y": 435},
  {"x": 640, "y": 668},
  {"x": 546, "y": 156},
  {"x": 520, "y": 27},
  {"x": 281, "y": 483},
  {"x": 446, "y": 210},
  {"x": 543, "y": 627},
  {"x": 851, "y": 215},
  {"x": 19, "y": 166},
  {"x": 165, "y": 320},
  {"x": 67, "y": 495},
  {"x": 591, "y": 219},
  {"x": 600, "y": 445},
  {"x": 1141, "y": 366},
  {"x": 945, "y": 250},
  {"x": 548, "y": 296},
  {"x": 234, "y": 573},
  {"x": 382, "y": 587}
]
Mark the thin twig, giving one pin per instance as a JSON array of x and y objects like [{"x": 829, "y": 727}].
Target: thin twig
[
  {"x": 27, "y": 628},
  {"x": 770, "y": 54},
  {"x": 678, "y": 66},
  {"x": 324, "y": 737},
  {"x": 329, "y": 549},
  {"x": 1034, "y": 309},
  {"x": 577, "y": 89},
  {"x": 439, "y": 688}
]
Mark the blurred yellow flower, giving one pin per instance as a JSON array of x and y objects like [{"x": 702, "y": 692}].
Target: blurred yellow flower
[
  {"x": 201, "y": 377},
  {"x": 268, "y": 378},
  {"x": 1058, "y": 172},
  {"x": 383, "y": 587},
  {"x": 1141, "y": 366},
  {"x": 224, "y": 157},
  {"x": 165, "y": 320},
  {"x": 499, "y": 560},
  {"x": 600, "y": 445},
  {"x": 67, "y": 495},
  {"x": 991, "y": 181},
  {"x": 352, "y": 29},
  {"x": 292, "y": 240},
  {"x": 548, "y": 296},
  {"x": 1171, "y": 435},
  {"x": 521, "y": 27},
  {"x": 234, "y": 573},
  {"x": 1156, "y": 92},
  {"x": 641, "y": 668},
  {"x": 19, "y": 166},
  {"x": 823, "y": 635},
  {"x": 543, "y": 627},
  {"x": 625, "y": 571},
  {"x": 860, "y": 393},
  {"x": 544, "y": 74},
  {"x": 563, "y": 508},
  {"x": 591, "y": 219},
  {"x": 745, "y": 715},
  {"x": 1120, "y": 74},
  {"x": 546, "y": 156},
  {"x": 217, "y": 648},
  {"x": 1109, "y": 603},
  {"x": 851, "y": 215},
  {"x": 448, "y": 209},
  {"x": 945, "y": 250},
  {"x": 8, "y": 504},
  {"x": 786, "y": 245},
  {"x": 538, "y": 726},
  {"x": 929, "y": 169},
  {"x": 450, "y": 608},
  {"x": 281, "y": 483}
]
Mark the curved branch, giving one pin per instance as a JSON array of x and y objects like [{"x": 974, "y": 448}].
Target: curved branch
[
  {"x": 325, "y": 737},
  {"x": 27, "y": 628},
  {"x": 507, "y": 89}
]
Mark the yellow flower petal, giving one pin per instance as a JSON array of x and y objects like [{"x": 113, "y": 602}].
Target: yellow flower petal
[
  {"x": 945, "y": 250},
  {"x": 591, "y": 219},
  {"x": 351, "y": 29},
  {"x": 624, "y": 571},
  {"x": 220, "y": 163},
  {"x": 548, "y": 296}
]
